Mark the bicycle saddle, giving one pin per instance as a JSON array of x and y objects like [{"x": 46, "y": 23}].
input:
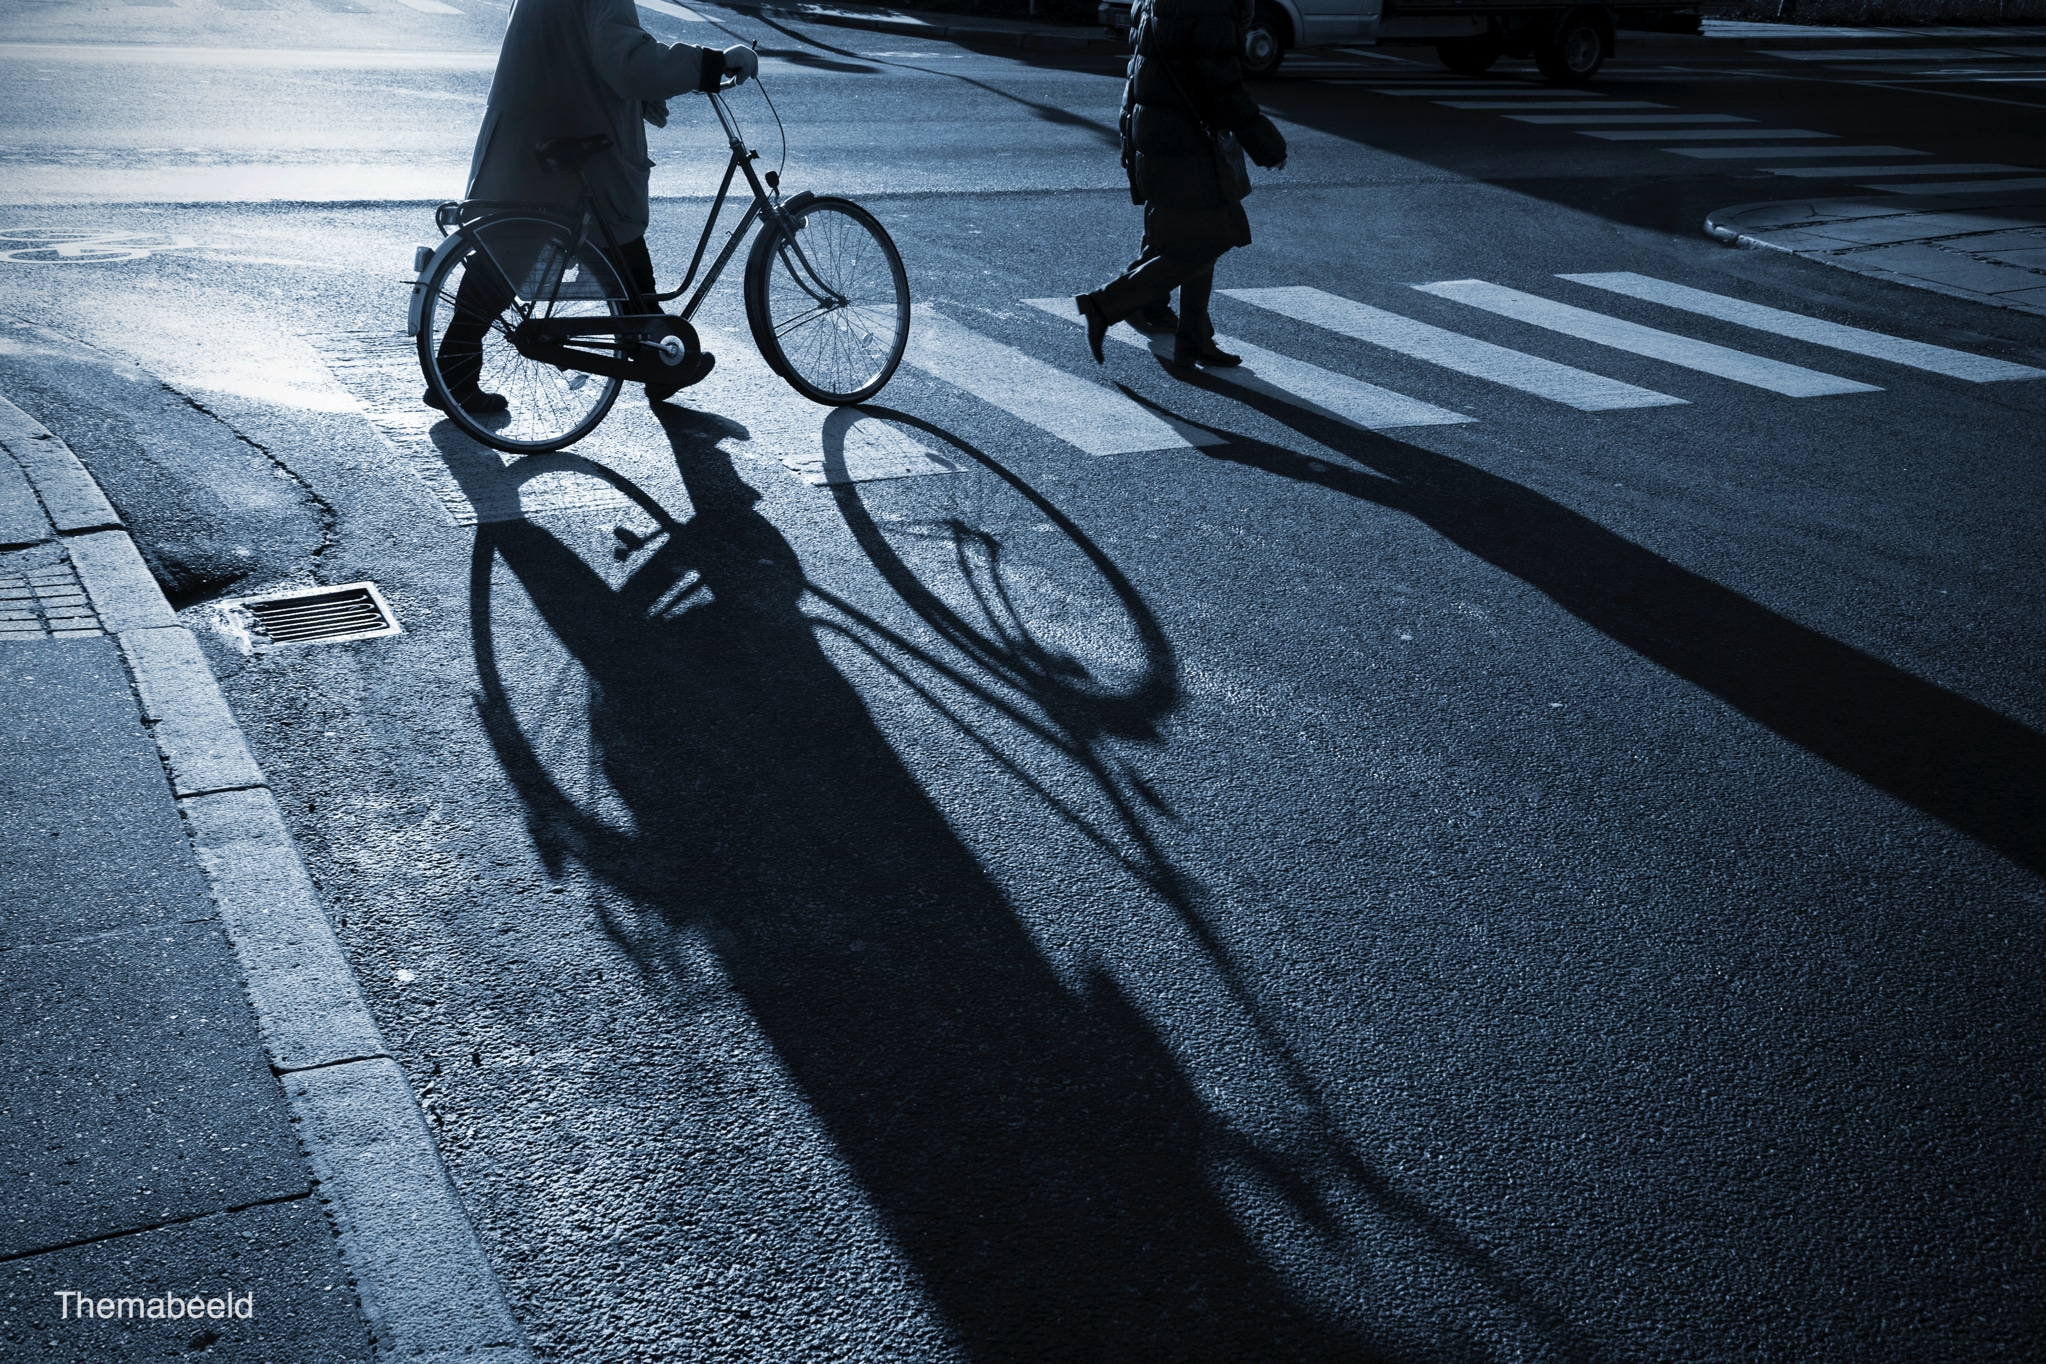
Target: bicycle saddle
[{"x": 568, "y": 153}]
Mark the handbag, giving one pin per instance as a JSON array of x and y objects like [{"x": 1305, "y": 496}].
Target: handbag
[{"x": 1232, "y": 175}]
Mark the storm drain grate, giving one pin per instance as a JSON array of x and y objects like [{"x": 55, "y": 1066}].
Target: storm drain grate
[{"x": 319, "y": 615}]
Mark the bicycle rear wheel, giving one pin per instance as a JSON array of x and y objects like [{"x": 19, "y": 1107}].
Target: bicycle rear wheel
[
  {"x": 829, "y": 302},
  {"x": 507, "y": 270}
]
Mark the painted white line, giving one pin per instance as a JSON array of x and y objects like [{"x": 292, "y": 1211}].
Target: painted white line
[
  {"x": 1588, "y": 120},
  {"x": 1786, "y": 153},
  {"x": 1295, "y": 382},
  {"x": 1091, "y": 416},
  {"x": 1565, "y": 104},
  {"x": 1846, "y": 172},
  {"x": 99, "y": 54},
  {"x": 1957, "y": 364},
  {"x": 429, "y": 6},
  {"x": 1966, "y": 186},
  {"x": 1707, "y": 135},
  {"x": 1581, "y": 389},
  {"x": 1792, "y": 381},
  {"x": 673, "y": 11}
]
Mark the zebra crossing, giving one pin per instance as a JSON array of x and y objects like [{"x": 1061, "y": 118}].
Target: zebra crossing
[
  {"x": 1036, "y": 374},
  {"x": 1689, "y": 134}
]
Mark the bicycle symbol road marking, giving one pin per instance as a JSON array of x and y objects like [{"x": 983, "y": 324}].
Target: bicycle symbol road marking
[{"x": 48, "y": 246}]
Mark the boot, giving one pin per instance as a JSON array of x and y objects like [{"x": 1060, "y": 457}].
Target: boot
[
  {"x": 477, "y": 403},
  {"x": 1188, "y": 351},
  {"x": 1098, "y": 323}
]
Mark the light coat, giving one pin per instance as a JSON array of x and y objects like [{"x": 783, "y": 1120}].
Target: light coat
[{"x": 575, "y": 68}]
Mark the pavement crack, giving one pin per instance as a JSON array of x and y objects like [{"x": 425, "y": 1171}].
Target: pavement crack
[{"x": 330, "y": 518}]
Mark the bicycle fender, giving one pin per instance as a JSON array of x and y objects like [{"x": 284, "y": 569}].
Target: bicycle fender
[{"x": 417, "y": 306}]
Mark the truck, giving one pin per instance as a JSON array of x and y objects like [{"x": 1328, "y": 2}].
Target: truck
[{"x": 1568, "y": 43}]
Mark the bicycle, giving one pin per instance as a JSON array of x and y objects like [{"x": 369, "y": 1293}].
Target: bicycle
[{"x": 826, "y": 299}]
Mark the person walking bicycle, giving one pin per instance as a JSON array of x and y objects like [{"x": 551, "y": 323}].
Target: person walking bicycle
[
  {"x": 574, "y": 68},
  {"x": 1185, "y": 114}
]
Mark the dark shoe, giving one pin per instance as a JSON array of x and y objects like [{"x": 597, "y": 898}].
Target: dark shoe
[
  {"x": 1098, "y": 323},
  {"x": 661, "y": 392},
  {"x": 477, "y": 404},
  {"x": 1190, "y": 350},
  {"x": 1156, "y": 320}
]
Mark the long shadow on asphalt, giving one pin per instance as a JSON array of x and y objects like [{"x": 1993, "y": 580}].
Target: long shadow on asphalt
[
  {"x": 1039, "y": 1156},
  {"x": 1954, "y": 759}
]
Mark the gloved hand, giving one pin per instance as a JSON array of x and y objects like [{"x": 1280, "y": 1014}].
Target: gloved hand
[
  {"x": 740, "y": 63},
  {"x": 1263, "y": 142}
]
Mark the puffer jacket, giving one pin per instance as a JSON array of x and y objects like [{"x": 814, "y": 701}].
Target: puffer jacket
[{"x": 1184, "y": 73}]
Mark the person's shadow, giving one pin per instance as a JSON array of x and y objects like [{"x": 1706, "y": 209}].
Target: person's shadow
[
  {"x": 1953, "y": 758},
  {"x": 1033, "y": 1145}
]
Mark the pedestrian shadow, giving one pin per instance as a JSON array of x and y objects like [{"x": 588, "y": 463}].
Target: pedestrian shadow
[
  {"x": 1952, "y": 758},
  {"x": 1038, "y": 1155}
]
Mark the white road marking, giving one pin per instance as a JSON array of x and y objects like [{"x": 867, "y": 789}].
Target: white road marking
[
  {"x": 1092, "y": 416},
  {"x": 114, "y": 54},
  {"x": 429, "y": 6},
  {"x": 673, "y": 11},
  {"x": 1847, "y": 172},
  {"x": 1956, "y": 364},
  {"x": 1785, "y": 153},
  {"x": 1965, "y": 186},
  {"x": 1586, "y": 120},
  {"x": 1335, "y": 396},
  {"x": 1581, "y": 389},
  {"x": 1705, "y": 135},
  {"x": 1793, "y": 381}
]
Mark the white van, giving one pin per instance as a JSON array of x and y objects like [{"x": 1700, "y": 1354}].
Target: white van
[{"x": 1569, "y": 44}]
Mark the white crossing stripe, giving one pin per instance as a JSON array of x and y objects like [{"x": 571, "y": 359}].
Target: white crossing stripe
[
  {"x": 1335, "y": 396},
  {"x": 1955, "y": 364},
  {"x": 1591, "y": 120},
  {"x": 673, "y": 11},
  {"x": 1564, "y": 104},
  {"x": 1793, "y": 381},
  {"x": 1966, "y": 186},
  {"x": 429, "y": 6},
  {"x": 1581, "y": 389},
  {"x": 1098, "y": 419},
  {"x": 1922, "y": 168},
  {"x": 1786, "y": 153},
  {"x": 1705, "y": 135}
]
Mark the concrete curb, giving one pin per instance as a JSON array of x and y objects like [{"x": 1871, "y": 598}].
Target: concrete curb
[
  {"x": 1919, "y": 242},
  {"x": 425, "y": 1285}
]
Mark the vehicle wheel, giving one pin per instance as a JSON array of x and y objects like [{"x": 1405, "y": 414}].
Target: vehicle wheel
[
  {"x": 1264, "y": 43},
  {"x": 507, "y": 270},
  {"x": 1469, "y": 56},
  {"x": 829, "y": 306},
  {"x": 1573, "y": 55}
]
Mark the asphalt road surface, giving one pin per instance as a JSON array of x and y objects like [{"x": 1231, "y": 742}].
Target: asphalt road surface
[{"x": 1520, "y": 838}]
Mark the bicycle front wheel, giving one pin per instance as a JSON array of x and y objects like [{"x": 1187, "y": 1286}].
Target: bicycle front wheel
[
  {"x": 828, "y": 302},
  {"x": 507, "y": 270}
]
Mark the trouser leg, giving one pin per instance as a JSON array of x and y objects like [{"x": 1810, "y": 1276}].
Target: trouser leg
[
  {"x": 638, "y": 267},
  {"x": 1150, "y": 281},
  {"x": 1194, "y": 292},
  {"x": 481, "y": 296}
]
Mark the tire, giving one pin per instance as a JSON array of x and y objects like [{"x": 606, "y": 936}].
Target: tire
[
  {"x": 1264, "y": 42},
  {"x": 1469, "y": 56},
  {"x": 1574, "y": 53},
  {"x": 515, "y": 268},
  {"x": 839, "y": 349}
]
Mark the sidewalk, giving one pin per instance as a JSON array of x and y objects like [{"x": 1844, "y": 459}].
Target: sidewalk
[
  {"x": 1989, "y": 247},
  {"x": 193, "y": 1097}
]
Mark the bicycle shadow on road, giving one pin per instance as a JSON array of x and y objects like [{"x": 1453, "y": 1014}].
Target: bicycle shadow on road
[
  {"x": 1038, "y": 1154},
  {"x": 1952, "y": 758}
]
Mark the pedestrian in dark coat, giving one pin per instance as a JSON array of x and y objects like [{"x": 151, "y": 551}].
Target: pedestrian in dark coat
[
  {"x": 573, "y": 68},
  {"x": 1185, "y": 90}
]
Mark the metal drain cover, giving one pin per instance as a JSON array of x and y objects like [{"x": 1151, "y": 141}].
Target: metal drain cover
[{"x": 318, "y": 615}]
